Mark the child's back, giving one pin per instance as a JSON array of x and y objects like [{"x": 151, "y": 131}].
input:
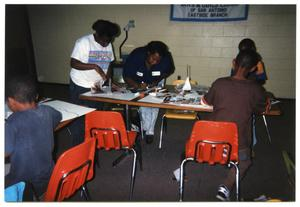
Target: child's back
[
  {"x": 29, "y": 139},
  {"x": 235, "y": 100}
]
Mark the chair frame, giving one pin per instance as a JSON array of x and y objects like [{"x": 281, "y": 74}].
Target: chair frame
[
  {"x": 267, "y": 128},
  {"x": 213, "y": 144},
  {"x": 65, "y": 175},
  {"x": 121, "y": 148},
  {"x": 229, "y": 164},
  {"x": 162, "y": 128},
  {"x": 61, "y": 173}
]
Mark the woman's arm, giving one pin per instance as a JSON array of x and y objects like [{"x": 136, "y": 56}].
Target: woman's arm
[
  {"x": 134, "y": 84},
  {"x": 87, "y": 66}
]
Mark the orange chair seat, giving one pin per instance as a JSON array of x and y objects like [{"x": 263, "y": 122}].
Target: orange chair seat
[
  {"x": 108, "y": 128},
  {"x": 72, "y": 170},
  {"x": 180, "y": 114},
  {"x": 212, "y": 142}
]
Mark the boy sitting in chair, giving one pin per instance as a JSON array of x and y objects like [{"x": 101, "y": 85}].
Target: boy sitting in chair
[
  {"x": 235, "y": 99},
  {"x": 29, "y": 135}
]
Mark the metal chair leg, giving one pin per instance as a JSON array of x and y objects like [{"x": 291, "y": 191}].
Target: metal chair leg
[
  {"x": 132, "y": 174},
  {"x": 120, "y": 158},
  {"x": 161, "y": 131},
  {"x": 97, "y": 158},
  {"x": 181, "y": 181},
  {"x": 141, "y": 125},
  {"x": 85, "y": 193},
  {"x": 69, "y": 131},
  {"x": 267, "y": 128},
  {"x": 237, "y": 180},
  {"x": 139, "y": 152}
]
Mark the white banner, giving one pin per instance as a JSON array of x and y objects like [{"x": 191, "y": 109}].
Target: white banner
[{"x": 209, "y": 12}]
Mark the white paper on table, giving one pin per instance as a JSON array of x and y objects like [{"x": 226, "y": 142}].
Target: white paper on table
[
  {"x": 114, "y": 95},
  {"x": 199, "y": 106},
  {"x": 68, "y": 110},
  {"x": 152, "y": 99}
]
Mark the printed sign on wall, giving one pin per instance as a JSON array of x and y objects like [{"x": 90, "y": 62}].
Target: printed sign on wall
[{"x": 209, "y": 12}]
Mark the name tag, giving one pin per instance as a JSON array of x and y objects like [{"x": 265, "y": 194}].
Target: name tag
[
  {"x": 155, "y": 73},
  {"x": 139, "y": 74}
]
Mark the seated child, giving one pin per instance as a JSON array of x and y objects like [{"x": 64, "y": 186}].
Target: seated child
[
  {"x": 259, "y": 74},
  {"x": 235, "y": 99},
  {"x": 29, "y": 135}
]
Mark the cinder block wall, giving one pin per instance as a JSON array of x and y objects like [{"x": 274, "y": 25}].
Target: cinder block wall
[{"x": 208, "y": 47}]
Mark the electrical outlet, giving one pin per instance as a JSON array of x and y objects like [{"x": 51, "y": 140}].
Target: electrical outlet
[{"x": 131, "y": 23}]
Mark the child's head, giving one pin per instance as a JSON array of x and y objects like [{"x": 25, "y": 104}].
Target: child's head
[
  {"x": 21, "y": 92},
  {"x": 246, "y": 44},
  {"x": 247, "y": 60}
]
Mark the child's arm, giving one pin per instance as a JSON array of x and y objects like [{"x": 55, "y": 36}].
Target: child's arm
[
  {"x": 203, "y": 101},
  {"x": 262, "y": 102},
  {"x": 268, "y": 106},
  {"x": 260, "y": 68},
  {"x": 9, "y": 138},
  {"x": 56, "y": 117}
]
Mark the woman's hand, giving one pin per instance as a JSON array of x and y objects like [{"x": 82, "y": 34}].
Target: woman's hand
[
  {"x": 100, "y": 72},
  {"x": 143, "y": 85}
]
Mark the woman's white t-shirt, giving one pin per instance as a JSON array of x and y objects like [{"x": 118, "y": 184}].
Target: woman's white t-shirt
[{"x": 87, "y": 50}]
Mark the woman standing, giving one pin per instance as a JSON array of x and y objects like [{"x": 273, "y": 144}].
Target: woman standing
[{"x": 90, "y": 63}]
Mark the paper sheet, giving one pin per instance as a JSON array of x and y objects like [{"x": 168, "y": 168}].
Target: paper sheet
[
  {"x": 151, "y": 99},
  {"x": 200, "y": 106},
  {"x": 68, "y": 110},
  {"x": 154, "y": 99},
  {"x": 114, "y": 95}
]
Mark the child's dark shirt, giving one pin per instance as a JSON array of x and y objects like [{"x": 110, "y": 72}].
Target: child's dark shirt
[
  {"x": 236, "y": 100},
  {"x": 29, "y": 142}
]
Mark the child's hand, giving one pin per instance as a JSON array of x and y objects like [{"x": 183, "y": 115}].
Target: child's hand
[
  {"x": 260, "y": 68},
  {"x": 143, "y": 85}
]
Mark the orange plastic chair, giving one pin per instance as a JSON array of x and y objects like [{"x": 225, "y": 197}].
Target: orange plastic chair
[
  {"x": 72, "y": 170},
  {"x": 177, "y": 114},
  {"x": 108, "y": 128},
  {"x": 212, "y": 142}
]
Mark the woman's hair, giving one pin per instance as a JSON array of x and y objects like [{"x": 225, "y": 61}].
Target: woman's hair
[
  {"x": 247, "y": 59},
  {"x": 157, "y": 47},
  {"x": 246, "y": 44},
  {"x": 106, "y": 28},
  {"x": 22, "y": 88}
]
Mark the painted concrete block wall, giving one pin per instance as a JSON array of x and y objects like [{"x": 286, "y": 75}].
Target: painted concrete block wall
[{"x": 208, "y": 47}]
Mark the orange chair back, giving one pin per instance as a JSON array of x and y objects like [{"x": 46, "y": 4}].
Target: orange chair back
[
  {"x": 108, "y": 128},
  {"x": 73, "y": 168},
  {"x": 213, "y": 142}
]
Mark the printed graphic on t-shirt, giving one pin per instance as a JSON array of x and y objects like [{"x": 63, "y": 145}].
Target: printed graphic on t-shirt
[{"x": 101, "y": 58}]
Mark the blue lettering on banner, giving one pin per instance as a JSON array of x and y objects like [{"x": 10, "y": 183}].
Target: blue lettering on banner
[{"x": 209, "y": 12}]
